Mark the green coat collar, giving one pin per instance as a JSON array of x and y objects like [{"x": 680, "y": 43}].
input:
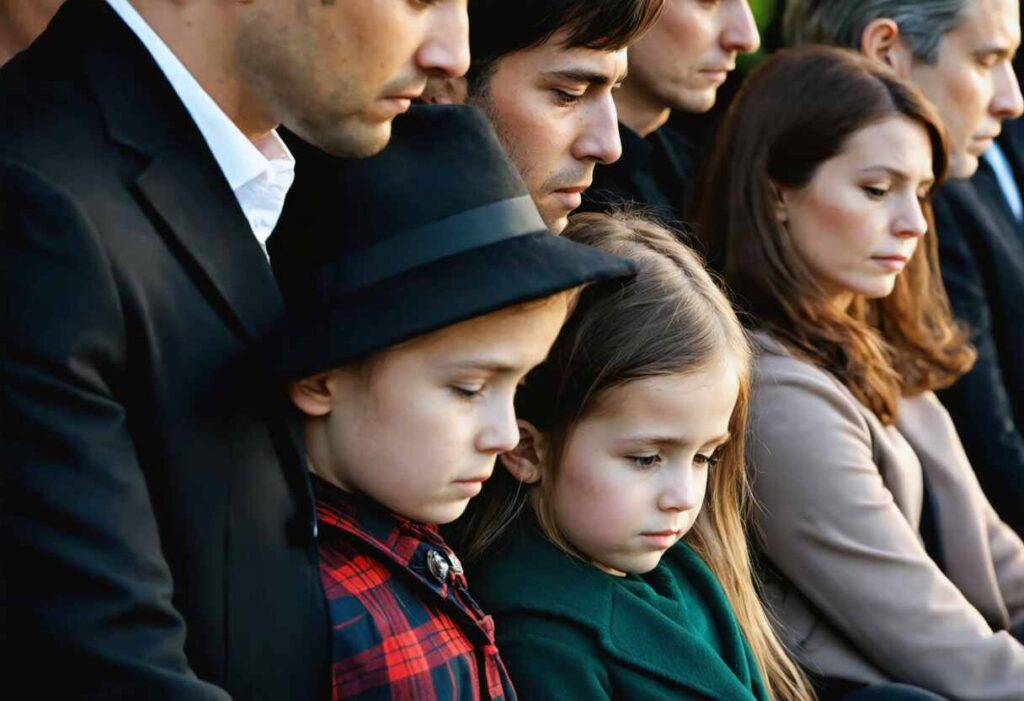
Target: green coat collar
[{"x": 530, "y": 573}]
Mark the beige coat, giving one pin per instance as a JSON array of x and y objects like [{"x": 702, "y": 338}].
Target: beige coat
[{"x": 840, "y": 497}]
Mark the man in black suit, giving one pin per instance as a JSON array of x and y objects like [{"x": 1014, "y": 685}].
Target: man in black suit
[
  {"x": 981, "y": 249},
  {"x": 157, "y": 532},
  {"x": 959, "y": 53},
  {"x": 678, "y": 65}
]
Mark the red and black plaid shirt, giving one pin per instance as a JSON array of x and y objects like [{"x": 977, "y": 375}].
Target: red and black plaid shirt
[{"x": 403, "y": 624}]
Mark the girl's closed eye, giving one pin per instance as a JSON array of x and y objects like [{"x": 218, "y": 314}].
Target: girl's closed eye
[
  {"x": 467, "y": 391},
  {"x": 708, "y": 460},
  {"x": 645, "y": 462}
]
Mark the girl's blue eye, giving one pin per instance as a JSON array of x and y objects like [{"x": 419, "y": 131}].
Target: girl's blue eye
[
  {"x": 876, "y": 193},
  {"x": 645, "y": 461}
]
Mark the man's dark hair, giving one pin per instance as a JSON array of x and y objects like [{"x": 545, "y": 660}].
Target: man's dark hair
[{"x": 501, "y": 27}]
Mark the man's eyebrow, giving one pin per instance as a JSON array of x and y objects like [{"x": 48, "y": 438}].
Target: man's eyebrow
[{"x": 582, "y": 75}]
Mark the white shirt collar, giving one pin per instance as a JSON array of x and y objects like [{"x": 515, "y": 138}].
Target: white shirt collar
[{"x": 239, "y": 159}]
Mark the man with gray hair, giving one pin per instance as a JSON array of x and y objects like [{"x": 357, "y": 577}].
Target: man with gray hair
[{"x": 959, "y": 52}]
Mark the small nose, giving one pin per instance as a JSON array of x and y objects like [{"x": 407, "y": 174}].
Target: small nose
[
  {"x": 740, "y": 34},
  {"x": 1007, "y": 102},
  {"x": 910, "y": 222},
  {"x": 445, "y": 49},
  {"x": 680, "y": 491},
  {"x": 598, "y": 137},
  {"x": 500, "y": 432}
]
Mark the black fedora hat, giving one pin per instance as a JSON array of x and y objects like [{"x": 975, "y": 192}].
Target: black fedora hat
[{"x": 436, "y": 229}]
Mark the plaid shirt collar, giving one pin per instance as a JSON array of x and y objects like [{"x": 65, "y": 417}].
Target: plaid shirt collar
[
  {"x": 429, "y": 638},
  {"x": 392, "y": 536}
]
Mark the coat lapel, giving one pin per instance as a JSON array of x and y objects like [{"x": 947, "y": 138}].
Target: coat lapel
[
  {"x": 646, "y": 638},
  {"x": 630, "y": 630},
  {"x": 202, "y": 217},
  {"x": 180, "y": 182}
]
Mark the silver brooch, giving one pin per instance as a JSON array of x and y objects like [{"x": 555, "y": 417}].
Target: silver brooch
[{"x": 438, "y": 565}]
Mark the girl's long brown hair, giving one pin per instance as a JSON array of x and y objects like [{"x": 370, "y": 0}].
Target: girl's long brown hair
[
  {"x": 795, "y": 112},
  {"x": 672, "y": 318}
]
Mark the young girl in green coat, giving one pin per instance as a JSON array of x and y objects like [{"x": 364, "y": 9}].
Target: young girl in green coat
[{"x": 611, "y": 551}]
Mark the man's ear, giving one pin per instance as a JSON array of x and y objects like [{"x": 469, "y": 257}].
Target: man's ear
[
  {"x": 313, "y": 395},
  {"x": 525, "y": 461},
  {"x": 881, "y": 41},
  {"x": 445, "y": 91}
]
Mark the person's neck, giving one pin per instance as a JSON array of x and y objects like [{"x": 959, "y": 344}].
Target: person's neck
[
  {"x": 639, "y": 111},
  {"x": 198, "y": 35}
]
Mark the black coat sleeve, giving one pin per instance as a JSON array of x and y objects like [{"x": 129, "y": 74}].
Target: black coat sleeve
[
  {"x": 978, "y": 402},
  {"x": 85, "y": 593}
]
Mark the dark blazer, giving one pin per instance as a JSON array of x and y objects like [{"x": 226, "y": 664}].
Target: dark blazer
[
  {"x": 157, "y": 520},
  {"x": 981, "y": 250},
  {"x": 567, "y": 630}
]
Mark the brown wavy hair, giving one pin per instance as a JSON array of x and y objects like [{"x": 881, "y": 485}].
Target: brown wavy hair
[
  {"x": 672, "y": 318},
  {"x": 795, "y": 112}
]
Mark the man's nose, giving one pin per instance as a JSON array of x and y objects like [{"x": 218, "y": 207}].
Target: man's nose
[
  {"x": 445, "y": 49},
  {"x": 741, "y": 35},
  {"x": 1007, "y": 102},
  {"x": 598, "y": 139}
]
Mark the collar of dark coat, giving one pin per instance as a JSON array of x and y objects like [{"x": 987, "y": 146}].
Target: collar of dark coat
[
  {"x": 181, "y": 183},
  {"x": 529, "y": 573}
]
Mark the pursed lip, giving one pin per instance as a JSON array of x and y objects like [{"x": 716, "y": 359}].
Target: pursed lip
[
  {"x": 575, "y": 189},
  {"x": 666, "y": 534},
  {"x": 894, "y": 257}
]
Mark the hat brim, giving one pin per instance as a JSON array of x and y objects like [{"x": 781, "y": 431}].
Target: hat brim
[{"x": 443, "y": 293}]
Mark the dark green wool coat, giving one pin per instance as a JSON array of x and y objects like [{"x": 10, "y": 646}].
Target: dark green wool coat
[{"x": 568, "y": 631}]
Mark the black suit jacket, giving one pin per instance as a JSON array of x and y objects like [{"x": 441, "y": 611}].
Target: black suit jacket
[
  {"x": 157, "y": 519},
  {"x": 981, "y": 249}
]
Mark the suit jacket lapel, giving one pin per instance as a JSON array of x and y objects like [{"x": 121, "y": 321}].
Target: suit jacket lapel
[
  {"x": 181, "y": 182},
  {"x": 202, "y": 216}
]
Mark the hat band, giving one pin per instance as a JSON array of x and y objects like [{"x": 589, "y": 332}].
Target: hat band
[{"x": 414, "y": 248}]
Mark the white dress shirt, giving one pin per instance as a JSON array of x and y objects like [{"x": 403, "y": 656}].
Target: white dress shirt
[{"x": 259, "y": 173}]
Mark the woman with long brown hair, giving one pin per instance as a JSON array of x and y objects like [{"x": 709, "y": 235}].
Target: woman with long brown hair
[
  {"x": 626, "y": 574},
  {"x": 885, "y": 561}
]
